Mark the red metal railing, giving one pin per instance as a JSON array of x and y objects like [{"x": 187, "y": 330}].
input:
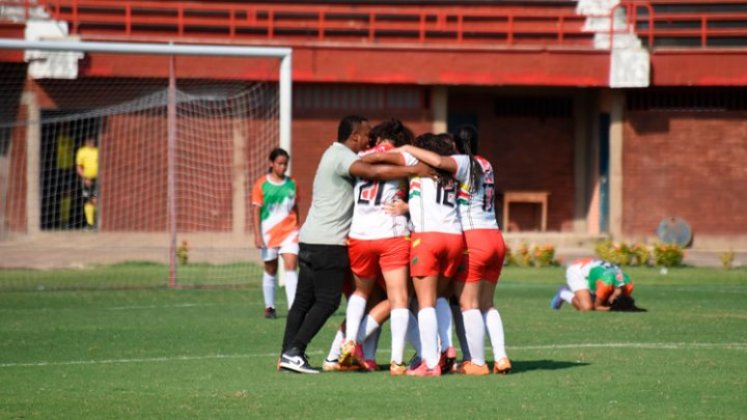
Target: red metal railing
[
  {"x": 276, "y": 22},
  {"x": 452, "y": 24},
  {"x": 680, "y": 27}
]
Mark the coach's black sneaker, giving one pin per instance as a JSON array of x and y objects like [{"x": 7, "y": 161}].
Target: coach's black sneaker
[
  {"x": 270, "y": 313},
  {"x": 296, "y": 361}
]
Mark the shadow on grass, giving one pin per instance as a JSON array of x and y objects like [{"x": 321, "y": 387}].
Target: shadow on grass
[{"x": 520, "y": 366}]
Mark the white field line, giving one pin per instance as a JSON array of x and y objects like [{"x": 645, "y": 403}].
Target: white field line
[{"x": 651, "y": 346}]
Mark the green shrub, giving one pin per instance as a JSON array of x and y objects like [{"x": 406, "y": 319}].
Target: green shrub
[
  {"x": 640, "y": 254},
  {"x": 727, "y": 259},
  {"x": 543, "y": 255},
  {"x": 668, "y": 255}
]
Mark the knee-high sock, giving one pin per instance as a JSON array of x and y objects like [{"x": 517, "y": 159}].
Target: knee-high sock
[
  {"x": 268, "y": 289},
  {"x": 90, "y": 210},
  {"x": 334, "y": 350},
  {"x": 413, "y": 334},
  {"x": 291, "y": 281},
  {"x": 428, "y": 325},
  {"x": 494, "y": 325},
  {"x": 353, "y": 316},
  {"x": 459, "y": 327},
  {"x": 368, "y": 326},
  {"x": 445, "y": 321},
  {"x": 566, "y": 295},
  {"x": 474, "y": 327},
  {"x": 399, "y": 320},
  {"x": 370, "y": 344}
]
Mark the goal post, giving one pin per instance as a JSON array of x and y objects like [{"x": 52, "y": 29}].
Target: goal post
[{"x": 180, "y": 143}]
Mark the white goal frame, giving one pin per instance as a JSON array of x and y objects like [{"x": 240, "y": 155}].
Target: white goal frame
[{"x": 172, "y": 50}]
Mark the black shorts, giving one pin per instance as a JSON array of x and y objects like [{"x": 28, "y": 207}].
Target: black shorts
[{"x": 89, "y": 192}]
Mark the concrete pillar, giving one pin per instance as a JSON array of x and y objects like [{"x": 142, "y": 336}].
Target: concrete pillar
[
  {"x": 33, "y": 154},
  {"x": 238, "y": 179},
  {"x": 440, "y": 103},
  {"x": 616, "y": 163}
]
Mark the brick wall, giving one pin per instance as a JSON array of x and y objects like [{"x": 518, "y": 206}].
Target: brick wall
[
  {"x": 527, "y": 153},
  {"x": 314, "y": 132},
  {"x": 685, "y": 164}
]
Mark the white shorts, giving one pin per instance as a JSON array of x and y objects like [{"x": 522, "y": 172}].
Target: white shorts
[
  {"x": 575, "y": 278},
  {"x": 289, "y": 246}
]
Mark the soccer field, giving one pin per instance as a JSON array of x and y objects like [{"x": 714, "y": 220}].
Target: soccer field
[{"x": 209, "y": 353}]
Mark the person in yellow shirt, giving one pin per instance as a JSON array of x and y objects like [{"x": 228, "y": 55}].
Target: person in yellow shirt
[{"x": 87, "y": 166}]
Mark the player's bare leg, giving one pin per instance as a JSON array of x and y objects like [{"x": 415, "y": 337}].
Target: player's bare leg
[{"x": 582, "y": 300}]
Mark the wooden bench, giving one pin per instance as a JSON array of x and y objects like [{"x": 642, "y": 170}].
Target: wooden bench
[{"x": 531, "y": 197}]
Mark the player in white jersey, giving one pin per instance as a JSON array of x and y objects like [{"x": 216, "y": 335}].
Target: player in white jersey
[
  {"x": 435, "y": 253},
  {"x": 476, "y": 282},
  {"x": 379, "y": 249}
]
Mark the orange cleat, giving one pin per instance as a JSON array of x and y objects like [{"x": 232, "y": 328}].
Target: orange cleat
[
  {"x": 397, "y": 369},
  {"x": 502, "y": 366},
  {"x": 351, "y": 354},
  {"x": 330, "y": 365},
  {"x": 469, "y": 368},
  {"x": 422, "y": 370}
]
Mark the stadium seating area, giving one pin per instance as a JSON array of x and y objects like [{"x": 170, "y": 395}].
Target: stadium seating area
[
  {"x": 488, "y": 23},
  {"x": 692, "y": 23}
]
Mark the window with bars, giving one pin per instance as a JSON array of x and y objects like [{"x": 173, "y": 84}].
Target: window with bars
[
  {"x": 359, "y": 98},
  {"x": 688, "y": 100}
]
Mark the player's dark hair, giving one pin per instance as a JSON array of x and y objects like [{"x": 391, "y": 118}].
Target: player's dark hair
[
  {"x": 465, "y": 137},
  {"x": 394, "y": 131},
  {"x": 442, "y": 144},
  {"x": 624, "y": 303},
  {"x": 277, "y": 152},
  {"x": 348, "y": 125}
]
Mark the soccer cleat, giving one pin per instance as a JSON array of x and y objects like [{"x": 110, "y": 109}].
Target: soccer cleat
[
  {"x": 270, "y": 313},
  {"x": 351, "y": 354},
  {"x": 295, "y": 361},
  {"x": 422, "y": 370},
  {"x": 556, "y": 301},
  {"x": 469, "y": 368},
  {"x": 397, "y": 369},
  {"x": 447, "y": 361},
  {"x": 502, "y": 366},
  {"x": 330, "y": 365},
  {"x": 368, "y": 365}
]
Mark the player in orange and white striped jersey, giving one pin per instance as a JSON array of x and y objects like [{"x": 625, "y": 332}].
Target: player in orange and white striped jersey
[
  {"x": 379, "y": 247},
  {"x": 476, "y": 283},
  {"x": 275, "y": 217}
]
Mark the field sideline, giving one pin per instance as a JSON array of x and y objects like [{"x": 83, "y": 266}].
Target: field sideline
[{"x": 208, "y": 353}]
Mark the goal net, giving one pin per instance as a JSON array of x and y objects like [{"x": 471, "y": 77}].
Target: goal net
[{"x": 137, "y": 168}]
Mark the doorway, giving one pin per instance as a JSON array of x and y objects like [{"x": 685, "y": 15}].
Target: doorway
[{"x": 62, "y": 134}]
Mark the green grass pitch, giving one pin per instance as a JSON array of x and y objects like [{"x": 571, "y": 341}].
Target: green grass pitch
[{"x": 209, "y": 353}]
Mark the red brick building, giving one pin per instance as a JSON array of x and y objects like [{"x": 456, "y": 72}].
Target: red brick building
[{"x": 616, "y": 149}]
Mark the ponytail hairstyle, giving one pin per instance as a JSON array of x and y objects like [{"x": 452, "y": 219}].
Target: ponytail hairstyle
[
  {"x": 394, "y": 131},
  {"x": 467, "y": 144}
]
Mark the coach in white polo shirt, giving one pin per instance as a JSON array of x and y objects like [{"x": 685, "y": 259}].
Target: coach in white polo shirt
[{"x": 323, "y": 255}]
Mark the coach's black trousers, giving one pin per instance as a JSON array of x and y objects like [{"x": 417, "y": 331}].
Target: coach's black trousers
[{"x": 323, "y": 269}]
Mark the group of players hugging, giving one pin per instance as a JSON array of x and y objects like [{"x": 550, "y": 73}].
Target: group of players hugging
[{"x": 426, "y": 253}]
